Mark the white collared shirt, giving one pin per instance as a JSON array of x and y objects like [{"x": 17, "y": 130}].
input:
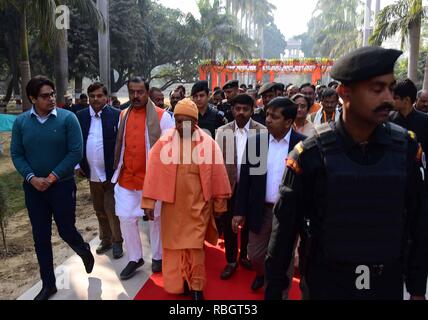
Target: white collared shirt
[
  {"x": 43, "y": 119},
  {"x": 277, "y": 155},
  {"x": 241, "y": 136},
  {"x": 95, "y": 148}
]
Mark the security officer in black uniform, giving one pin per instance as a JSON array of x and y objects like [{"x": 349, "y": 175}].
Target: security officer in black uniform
[
  {"x": 268, "y": 92},
  {"x": 354, "y": 193},
  {"x": 231, "y": 89}
]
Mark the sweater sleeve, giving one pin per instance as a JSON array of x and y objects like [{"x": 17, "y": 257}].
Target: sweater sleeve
[
  {"x": 17, "y": 152},
  {"x": 74, "y": 147}
]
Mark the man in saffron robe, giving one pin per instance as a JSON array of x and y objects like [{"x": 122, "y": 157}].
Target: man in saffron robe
[{"x": 187, "y": 173}]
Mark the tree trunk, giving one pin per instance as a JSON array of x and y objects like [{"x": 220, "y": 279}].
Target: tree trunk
[
  {"x": 12, "y": 55},
  {"x": 228, "y": 6},
  {"x": 367, "y": 22},
  {"x": 78, "y": 84},
  {"x": 24, "y": 65},
  {"x": 414, "y": 45},
  {"x": 8, "y": 92},
  {"x": 61, "y": 65}
]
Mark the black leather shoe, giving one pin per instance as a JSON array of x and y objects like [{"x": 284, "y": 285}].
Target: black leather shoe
[
  {"x": 156, "y": 266},
  {"x": 130, "y": 269},
  {"x": 103, "y": 247},
  {"x": 88, "y": 260},
  {"x": 197, "y": 296},
  {"x": 117, "y": 251},
  {"x": 228, "y": 271},
  {"x": 46, "y": 293},
  {"x": 258, "y": 283},
  {"x": 245, "y": 263}
]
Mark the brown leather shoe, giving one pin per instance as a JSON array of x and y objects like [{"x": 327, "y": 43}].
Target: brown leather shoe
[{"x": 228, "y": 271}]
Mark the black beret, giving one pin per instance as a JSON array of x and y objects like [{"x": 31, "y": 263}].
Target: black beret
[
  {"x": 231, "y": 84},
  {"x": 200, "y": 86},
  {"x": 279, "y": 86},
  {"x": 267, "y": 87},
  {"x": 365, "y": 63}
]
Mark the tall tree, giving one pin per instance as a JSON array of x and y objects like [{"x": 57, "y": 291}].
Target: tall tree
[
  {"x": 216, "y": 34},
  {"x": 9, "y": 43},
  {"x": 42, "y": 14},
  {"x": 334, "y": 29},
  {"x": 274, "y": 42},
  {"x": 403, "y": 17}
]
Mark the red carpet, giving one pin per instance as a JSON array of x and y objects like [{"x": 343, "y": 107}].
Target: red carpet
[{"x": 236, "y": 288}]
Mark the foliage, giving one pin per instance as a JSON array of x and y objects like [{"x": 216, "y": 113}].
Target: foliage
[
  {"x": 401, "y": 68},
  {"x": 274, "y": 42},
  {"x": 397, "y": 18},
  {"x": 334, "y": 29}
]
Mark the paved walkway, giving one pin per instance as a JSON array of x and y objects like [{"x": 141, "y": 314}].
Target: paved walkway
[{"x": 103, "y": 283}]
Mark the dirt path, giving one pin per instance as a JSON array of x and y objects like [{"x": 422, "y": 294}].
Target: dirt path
[{"x": 19, "y": 270}]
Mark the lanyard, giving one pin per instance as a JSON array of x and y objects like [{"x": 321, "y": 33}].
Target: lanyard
[{"x": 325, "y": 116}]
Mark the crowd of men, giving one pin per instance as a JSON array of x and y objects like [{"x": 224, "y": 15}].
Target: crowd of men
[{"x": 326, "y": 178}]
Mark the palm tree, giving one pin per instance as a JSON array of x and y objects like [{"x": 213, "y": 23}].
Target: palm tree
[
  {"x": 42, "y": 14},
  {"x": 404, "y": 17},
  {"x": 217, "y": 34},
  {"x": 335, "y": 27}
]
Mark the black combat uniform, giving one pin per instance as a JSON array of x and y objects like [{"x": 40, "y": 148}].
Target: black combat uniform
[
  {"x": 357, "y": 207},
  {"x": 352, "y": 205},
  {"x": 211, "y": 120},
  {"x": 226, "y": 109}
]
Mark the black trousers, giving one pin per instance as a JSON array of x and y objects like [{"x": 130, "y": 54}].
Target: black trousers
[
  {"x": 58, "y": 202},
  {"x": 327, "y": 281},
  {"x": 231, "y": 238}
]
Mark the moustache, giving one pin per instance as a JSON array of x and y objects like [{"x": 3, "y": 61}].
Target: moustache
[{"x": 385, "y": 106}]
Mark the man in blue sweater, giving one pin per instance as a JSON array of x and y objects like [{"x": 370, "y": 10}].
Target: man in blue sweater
[{"x": 46, "y": 146}]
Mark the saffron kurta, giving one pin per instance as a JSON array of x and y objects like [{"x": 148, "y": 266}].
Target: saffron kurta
[{"x": 186, "y": 223}]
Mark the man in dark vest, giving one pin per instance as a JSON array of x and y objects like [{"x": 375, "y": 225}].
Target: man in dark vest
[
  {"x": 99, "y": 128},
  {"x": 354, "y": 192}
]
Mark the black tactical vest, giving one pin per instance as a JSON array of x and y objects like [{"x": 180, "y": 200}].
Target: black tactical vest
[{"x": 364, "y": 216}]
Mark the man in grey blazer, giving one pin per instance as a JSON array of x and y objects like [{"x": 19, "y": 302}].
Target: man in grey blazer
[{"x": 232, "y": 139}]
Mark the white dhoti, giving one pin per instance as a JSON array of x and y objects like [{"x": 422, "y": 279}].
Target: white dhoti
[{"x": 128, "y": 209}]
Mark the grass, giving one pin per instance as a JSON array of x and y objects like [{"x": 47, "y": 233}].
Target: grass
[
  {"x": 11, "y": 180},
  {"x": 14, "y": 194}
]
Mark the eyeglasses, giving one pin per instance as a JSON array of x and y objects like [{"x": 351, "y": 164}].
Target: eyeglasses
[{"x": 46, "y": 96}]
